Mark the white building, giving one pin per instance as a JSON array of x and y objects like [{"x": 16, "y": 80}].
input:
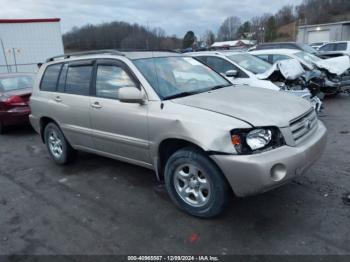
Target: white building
[
  {"x": 26, "y": 42},
  {"x": 233, "y": 44},
  {"x": 339, "y": 31}
]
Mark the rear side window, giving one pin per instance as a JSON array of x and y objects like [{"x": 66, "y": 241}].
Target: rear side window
[
  {"x": 50, "y": 78},
  {"x": 341, "y": 47},
  {"x": 78, "y": 80}
]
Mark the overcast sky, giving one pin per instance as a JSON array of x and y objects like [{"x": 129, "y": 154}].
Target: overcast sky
[{"x": 174, "y": 16}]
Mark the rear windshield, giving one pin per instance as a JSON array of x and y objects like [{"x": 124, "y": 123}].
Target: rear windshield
[{"x": 15, "y": 83}]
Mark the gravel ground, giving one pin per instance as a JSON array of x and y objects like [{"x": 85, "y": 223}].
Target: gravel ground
[{"x": 102, "y": 206}]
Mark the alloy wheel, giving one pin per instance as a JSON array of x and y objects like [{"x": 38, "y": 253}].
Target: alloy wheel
[{"x": 192, "y": 185}]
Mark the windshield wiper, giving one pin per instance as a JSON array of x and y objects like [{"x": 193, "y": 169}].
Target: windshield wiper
[
  {"x": 182, "y": 94},
  {"x": 217, "y": 87}
]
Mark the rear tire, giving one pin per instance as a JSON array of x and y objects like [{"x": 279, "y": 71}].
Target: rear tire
[
  {"x": 195, "y": 184},
  {"x": 59, "y": 148}
]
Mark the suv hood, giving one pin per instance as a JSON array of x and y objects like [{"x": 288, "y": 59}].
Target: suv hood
[{"x": 257, "y": 106}]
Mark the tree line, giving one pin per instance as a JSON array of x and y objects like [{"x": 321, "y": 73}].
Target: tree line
[
  {"x": 118, "y": 35},
  {"x": 123, "y": 35}
]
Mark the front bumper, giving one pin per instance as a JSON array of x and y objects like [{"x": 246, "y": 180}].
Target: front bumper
[{"x": 253, "y": 174}]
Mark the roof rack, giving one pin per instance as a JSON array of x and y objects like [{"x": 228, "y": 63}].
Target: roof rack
[
  {"x": 149, "y": 50},
  {"x": 83, "y": 53}
]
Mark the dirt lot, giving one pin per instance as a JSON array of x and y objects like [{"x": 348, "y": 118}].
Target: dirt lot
[{"x": 102, "y": 206}]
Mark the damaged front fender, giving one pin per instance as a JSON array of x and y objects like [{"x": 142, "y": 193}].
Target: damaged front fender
[{"x": 208, "y": 130}]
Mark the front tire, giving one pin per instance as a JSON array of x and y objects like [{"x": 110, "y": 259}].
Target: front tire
[
  {"x": 59, "y": 149},
  {"x": 195, "y": 184}
]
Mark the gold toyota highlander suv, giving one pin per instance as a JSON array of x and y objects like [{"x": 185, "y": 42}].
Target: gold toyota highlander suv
[{"x": 168, "y": 112}]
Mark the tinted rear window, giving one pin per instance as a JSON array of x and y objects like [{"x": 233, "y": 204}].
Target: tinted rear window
[
  {"x": 288, "y": 46},
  {"x": 78, "y": 80},
  {"x": 49, "y": 80},
  {"x": 328, "y": 47},
  {"x": 15, "y": 83},
  {"x": 271, "y": 46},
  {"x": 341, "y": 47}
]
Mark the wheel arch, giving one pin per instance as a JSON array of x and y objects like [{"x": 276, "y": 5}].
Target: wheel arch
[{"x": 44, "y": 121}]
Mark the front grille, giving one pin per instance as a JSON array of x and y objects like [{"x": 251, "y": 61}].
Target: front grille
[{"x": 303, "y": 125}]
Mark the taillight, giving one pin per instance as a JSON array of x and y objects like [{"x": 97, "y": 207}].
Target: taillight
[
  {"x": 16, "y": 101},
  {"x": 12, "y": 101}
]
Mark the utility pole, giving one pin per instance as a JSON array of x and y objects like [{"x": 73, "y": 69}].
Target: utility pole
[
  {"x": 14, "y": 58},
  {"x": 3, "y": 51}
]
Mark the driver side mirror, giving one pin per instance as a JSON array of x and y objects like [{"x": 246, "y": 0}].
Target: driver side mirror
[
  {"x": 231, "y": 73},
  {"x": 131, "y": 95}
]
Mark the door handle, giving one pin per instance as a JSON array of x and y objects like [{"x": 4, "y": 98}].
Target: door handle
[
  {"x": 96, "y": 105},
  {"x": 58, "y": 99}
]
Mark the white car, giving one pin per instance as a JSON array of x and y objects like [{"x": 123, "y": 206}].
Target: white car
[
  {"x": 246, "y": 69},
  {"x": 335, "y": 49},
  {"x": 337, "y": 68},
  {"x": 317, "y": 45}
]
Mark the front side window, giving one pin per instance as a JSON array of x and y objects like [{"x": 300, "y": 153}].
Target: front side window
[
  {"x": 179, "y": 76},
  {"x": 15, "y": 83},
  {"x": 109, "y": 79},
  {"x": 50, "y": 78},
  {"x": 220, "y": 65},
  {"x": 250, "y": 63},
  {"x": 78, "y": 80}
]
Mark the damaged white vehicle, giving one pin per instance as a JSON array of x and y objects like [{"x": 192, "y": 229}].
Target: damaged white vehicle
[
  {"x": 245, "y": 69},
  {"x": 335, "y": 71},
  {"x": 289, "y": 74}
]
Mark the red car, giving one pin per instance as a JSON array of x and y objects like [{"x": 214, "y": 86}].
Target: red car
[{"x": 15, "y": 90}]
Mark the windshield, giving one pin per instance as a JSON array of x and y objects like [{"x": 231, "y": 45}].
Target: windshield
[
  {"x": 175, "y": 76},
  {"x": 308, "y": 48},
  {"x": 309, "y": 59},
  {"x": 15, "y": 83},
  {"x": 250, "y": 63}
]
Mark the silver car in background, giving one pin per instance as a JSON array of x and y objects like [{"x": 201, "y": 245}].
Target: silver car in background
[{"x": 202, "y": 136}]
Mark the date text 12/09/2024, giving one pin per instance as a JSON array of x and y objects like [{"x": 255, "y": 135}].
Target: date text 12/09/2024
[{"x": 173, "y": 258}]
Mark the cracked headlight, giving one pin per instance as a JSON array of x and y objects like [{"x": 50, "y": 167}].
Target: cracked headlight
[
  {"x": 258, "y": 138},
  {"x": 251, "y": 141}
]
